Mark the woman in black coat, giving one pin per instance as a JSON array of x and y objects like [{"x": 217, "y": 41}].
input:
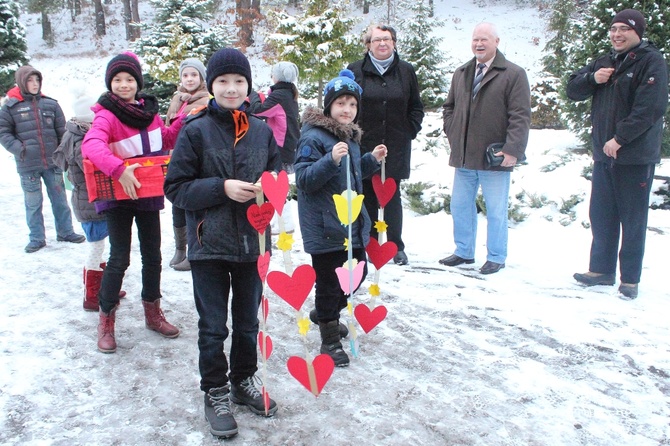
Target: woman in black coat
[{"x": 391, "y": 114}]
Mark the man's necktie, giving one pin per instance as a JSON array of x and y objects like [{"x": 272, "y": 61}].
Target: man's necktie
[{"x": 477, "y": 84}]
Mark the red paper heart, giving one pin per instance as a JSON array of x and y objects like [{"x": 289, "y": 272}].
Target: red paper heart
[
  {"x": 380, "y": 255},
  {"x": 265, "y": 304},
  {"x": 260, "y": 216},
  {"x": 369, "y": 319},
  {"x": 384, "y": 191},
  {"x": 266, "y": 349},
  {"x": 323, "y": 368},
  {"x": 275, "y": 190},
  {"x": 293, "y": 289},
  {"x": 263, "y": 264}
]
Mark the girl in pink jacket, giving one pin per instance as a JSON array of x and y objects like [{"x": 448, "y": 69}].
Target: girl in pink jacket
[{"x": 127, "y": 125}]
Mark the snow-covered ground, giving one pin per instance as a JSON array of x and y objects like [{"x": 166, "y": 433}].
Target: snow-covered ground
[{"x": 522, "y": 357}]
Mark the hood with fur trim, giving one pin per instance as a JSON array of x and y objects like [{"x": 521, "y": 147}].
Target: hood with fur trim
[{"x": 344, "y": 132}]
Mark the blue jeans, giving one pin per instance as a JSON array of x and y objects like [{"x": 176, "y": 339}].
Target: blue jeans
[
  {"x": 120, "y": 227},
  {"x": 212, "y": 281},
  {"x": 31, "y": 183},
  {"x": 618, "y": 210},
  {"x": 495, "y": 188}
]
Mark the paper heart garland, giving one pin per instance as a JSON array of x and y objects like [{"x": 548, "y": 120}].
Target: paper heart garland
[
  {"x": 275, "y": 189},
  {"x": 265, "y": 348},
  {"x": 260, "y": 216},
  {"x": 312, "y": 376},
  {"x": 369, "y": 319},
  {"x": 384, "y": 191},
  {"x": 263, "y": 264},
  {"x": 380, "y": 255},
  {"x": 293, "y": 289},
  {"x": 343, "y": 276},
  {"x": 343, "y": 208}
]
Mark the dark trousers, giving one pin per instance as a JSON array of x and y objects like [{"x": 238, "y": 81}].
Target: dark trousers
[
  {"x": 619, "y": 206},
  {"x": 392, "y": 213},
  {"x": 120, "y": 226},
  {"x": 212, "y": 281},
  {"x": 178, "y": 217},
  {"x": 329, "y": 298}
]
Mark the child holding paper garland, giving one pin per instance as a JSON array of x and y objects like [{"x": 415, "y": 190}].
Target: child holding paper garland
[
  {"x": 328, "y": 138},
  {"x": 219, "y": 156}
]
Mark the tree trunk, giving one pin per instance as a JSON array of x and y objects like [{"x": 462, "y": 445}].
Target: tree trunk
[
  {"x": 366, "y": 7},
  {"x": 135, "y": 31},
  {"x": 127, "y": 18},
  {"x": 244, "y": 22},
  {"x": 100, "y": 29},
  {"x": 47, "y": 33},
  {"x": 256, "y": 6},
  {"x": 431, "y": 8}
]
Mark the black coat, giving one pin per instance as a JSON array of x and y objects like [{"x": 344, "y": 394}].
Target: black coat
[
  {"x": 31, "y": 127},
  {"x": 280, "y": 109},
  {"x": 629, "y": 107},
  {"x": 391, "y": 111},
  {"x": 206, "y": 155}
]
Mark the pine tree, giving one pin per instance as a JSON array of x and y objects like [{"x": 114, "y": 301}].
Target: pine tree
[
  {"x": 13, "y": 45},
  {"x": 319, "y": 41},
  {"x": 421, "y": 49},
  {"x": 180, "y": 30},
  {"x": 590, "y": 38}
]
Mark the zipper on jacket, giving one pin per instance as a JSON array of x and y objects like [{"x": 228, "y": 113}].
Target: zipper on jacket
[{"x": 40, "y": 136}]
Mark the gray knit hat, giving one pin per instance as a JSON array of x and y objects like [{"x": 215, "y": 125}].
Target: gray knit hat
[
  {"x": 285, "y": 72},
  {"x": 193, "y": 63}
]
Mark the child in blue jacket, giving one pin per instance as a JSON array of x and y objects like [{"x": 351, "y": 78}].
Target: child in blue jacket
[{"x": 331, "y": 138}]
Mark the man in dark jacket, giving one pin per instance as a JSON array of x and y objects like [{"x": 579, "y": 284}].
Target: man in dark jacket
[
  {"x": 391, "y": 114},
  {"x": 488, "y": 102},
  {"x": 629, "y": 91},
  {"x": 31, "y": 127}
]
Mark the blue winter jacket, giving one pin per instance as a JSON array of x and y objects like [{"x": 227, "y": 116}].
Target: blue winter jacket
[{"x": 318, "y": 178}]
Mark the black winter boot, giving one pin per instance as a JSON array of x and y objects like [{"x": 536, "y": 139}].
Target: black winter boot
[
  {"x": 344, "y": 331},
  {"x": 330, "y": 342}
]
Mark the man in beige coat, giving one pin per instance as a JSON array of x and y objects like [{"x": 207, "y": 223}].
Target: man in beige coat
[{"x": 488, "y": 102}]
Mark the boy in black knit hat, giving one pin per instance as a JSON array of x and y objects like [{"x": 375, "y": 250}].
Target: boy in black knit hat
[
  {"x": 330, "y": 139},
  {"x": 220, "y": 155}
]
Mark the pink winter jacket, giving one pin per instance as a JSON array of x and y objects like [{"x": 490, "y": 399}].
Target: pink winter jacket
[{"x": 109, "y": 141}]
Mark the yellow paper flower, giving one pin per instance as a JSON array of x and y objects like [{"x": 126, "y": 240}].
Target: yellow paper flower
[
  {"x": 343, "y": 208},
  {"x": 381, "y": 226},
  {"x": 285, "y": 242},
  {"x": 346, "y": 244},
  {"x": 374, "y": 289},
  {"x": 350, "y": 308},
  {"x": 303, "y": 325}
]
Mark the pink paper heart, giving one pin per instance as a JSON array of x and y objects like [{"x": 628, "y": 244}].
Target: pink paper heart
[
  {"x": 369, "y": 319},
  {"x": 343, "y": 277},
  {"x": 384, "y": 191},
  {"x": 260, "y": 216},
  {"x": 266, "y": 348},
  {"x": 275, "y": 190},
  {"x": 380, "y": 255},
  {"x": 293, "y": 289},
  {"x": 322, "y": 367},
  {"x": 263, "y": 264}
]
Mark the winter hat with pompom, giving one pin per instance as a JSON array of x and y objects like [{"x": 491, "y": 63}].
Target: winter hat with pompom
[
  {"x": 341, "y": 85},
  {"x": 226, "y": 61},
  {"x": 82, "y": 108},
  {"x": 285, "y": 72},
  {"x": 126, "y": 62}
]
